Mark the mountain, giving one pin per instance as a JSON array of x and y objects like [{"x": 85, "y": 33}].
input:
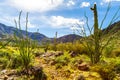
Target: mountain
[
  {"x": 113, "y": 28},
  {"x": 8, "y": 31},
  {"x": 69, "y": 38}
]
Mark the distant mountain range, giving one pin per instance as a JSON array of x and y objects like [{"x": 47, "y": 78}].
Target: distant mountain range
[{"x": 8, "y": 31}]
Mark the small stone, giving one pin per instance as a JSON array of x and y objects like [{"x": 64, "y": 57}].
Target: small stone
[
  {"x": 3, "y": 71},
  {"x": 52, "y": 62},
  {"x": 83, "y": 67},
  {"x": 58, "y": 53},
  {"x": 5, "y": 77}
]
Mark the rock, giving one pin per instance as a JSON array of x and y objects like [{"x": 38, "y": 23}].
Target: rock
[
  {"x": 5, "y": 77},
  {"x": 38, "y": 73},
  {"x": 3, "y": 71},
  {"x": 58, "y": 53},
  {"x": 83, "y": 67},
  {"x": 48, "y": 54},
  {"x": 11, "y": 78},
  {"x": 37, "y": 54},
  {"x": 52, "y": 62},
  {"x": 73, "y": 54},
  {"x": 12, "y": 72}
]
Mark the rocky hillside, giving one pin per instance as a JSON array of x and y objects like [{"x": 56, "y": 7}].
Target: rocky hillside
[
  {"x": 9, "y": 31},
  {"x": 115, "y": 27},
  {"x": 69, "y": 38}
]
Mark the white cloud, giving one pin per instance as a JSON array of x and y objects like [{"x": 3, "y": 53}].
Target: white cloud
[
  {"x": 70, "y": 3},
  {"x": 30, "y": 25},
  {"x": 107, "y": 1},
  {"x": 62, "y": 22},
  {"x": 9, "y": 20},
  {"x": 85, "y": 4},
  {"x": 35, "y": 5}
]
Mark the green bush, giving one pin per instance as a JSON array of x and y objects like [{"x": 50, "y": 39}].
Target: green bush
[
  {"x": 3, "y": 62},
  {"x": 15, "y": 61},
  {"x": 75, "y": 47},
  {"x": 62, "y": 60},
  {"x": 106, "y": 71},
  {"x": 24, "y": 44},
  {"x": 108, "y": 51},
  {"x": 115, "y": 53}
]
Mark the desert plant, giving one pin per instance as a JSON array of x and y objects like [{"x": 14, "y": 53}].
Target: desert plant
[
  {"x": 3, "y": 62},
  {"x": 45, "y": 44},
  {"x": 62, "y": 60},
  {"x": 106, "y": 71},
  {"x": 15, "y": 61},
  {"x": 108, "y": 51},
  {"x": 24, "y": 44},
  {"x": 55, "y": 42},
  {"x": 94, "y": 43}
]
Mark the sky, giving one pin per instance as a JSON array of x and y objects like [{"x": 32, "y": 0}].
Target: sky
[{"x": 62, "y": 16}]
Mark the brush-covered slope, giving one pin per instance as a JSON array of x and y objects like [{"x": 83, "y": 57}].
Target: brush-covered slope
[
  {"x": 68, "y": 38},
  {"x": 8, "y": 31},
  {"x": 113, "y": 28}
]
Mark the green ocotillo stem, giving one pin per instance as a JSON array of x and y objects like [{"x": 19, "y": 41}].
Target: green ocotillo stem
[
  {"x": 94, "y": 9},
  {"x": 96, "y": 55}
]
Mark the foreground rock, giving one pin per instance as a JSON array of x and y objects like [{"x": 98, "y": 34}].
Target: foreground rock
[{"x": 83, "y": 67}]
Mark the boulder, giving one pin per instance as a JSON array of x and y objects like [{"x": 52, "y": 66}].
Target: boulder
[
  {"x": 38, "y": 73},
  {"x": 83, "y": 67},
  {"x": 5, "y": 77}
]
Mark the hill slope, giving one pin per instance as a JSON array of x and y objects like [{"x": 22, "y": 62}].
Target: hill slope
[
  {"x": 113, "y": 28},
  {"x": 9, "y": 31},
  {"x": 68, "y": 38}
]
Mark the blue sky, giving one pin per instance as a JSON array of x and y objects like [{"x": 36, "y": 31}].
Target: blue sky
[{"x": 49, "y": 16}]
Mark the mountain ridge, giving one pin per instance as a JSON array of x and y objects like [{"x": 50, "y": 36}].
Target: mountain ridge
[{"x": 9, "y": 31}]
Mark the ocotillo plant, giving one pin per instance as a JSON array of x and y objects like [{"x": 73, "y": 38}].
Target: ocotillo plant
[
  {"x": 96, "y": 36},
  {"x": 55, "y": 42},
  {"x": 93, "y": 43}
]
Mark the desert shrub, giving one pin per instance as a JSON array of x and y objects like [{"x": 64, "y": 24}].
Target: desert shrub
[
  {"x": 5, "y": 53},
  {"x": 80, "y": 77},
  {"x": 75, "y": 47},
  {"x": 106, "y": 71},
  {"x": 3, "y": 62},
  {"x": 45, "y": 44},
  {"x": 78, "y": 48},
  {"x": 62, "y": 60},
  {"x": 5, "y": 56},
  {"x": 38, "y": 51},
  {"x": 115, "y": 53},
  {"x": 15, "y": 61},
  {"x": 61, "y": 47},
  {"x": 117, "y": 68},
  {"x": 24, "y": 44},
  {"x": 75, "y": 62},
  {"x": 108, "y": 51}
]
